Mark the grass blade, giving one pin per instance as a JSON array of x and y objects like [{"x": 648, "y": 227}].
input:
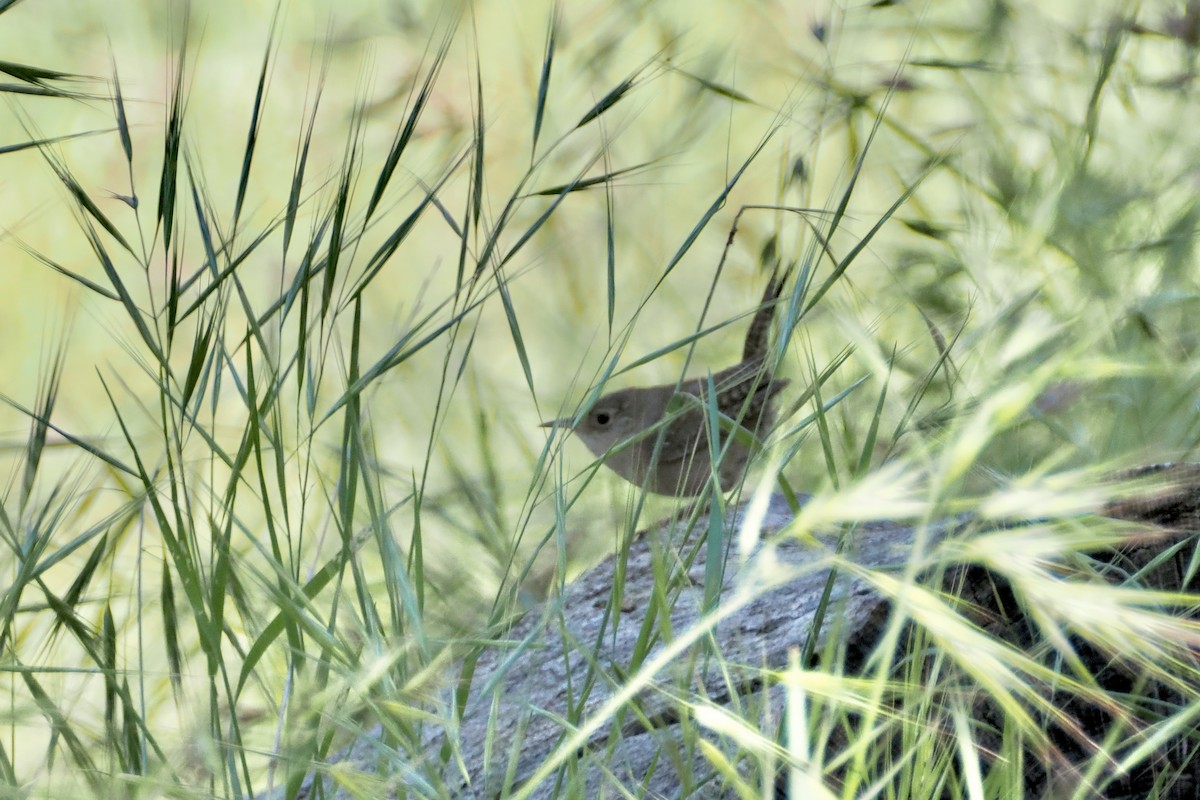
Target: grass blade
[
  {"x": 543, "y": 90},
  {"x": 255, "y": 122},
  {"x": 173, "y": 142},
  {"x": 405, "y": 134}
]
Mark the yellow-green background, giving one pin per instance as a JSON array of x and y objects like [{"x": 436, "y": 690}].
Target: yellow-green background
[{"x": 1022, "y": 116}]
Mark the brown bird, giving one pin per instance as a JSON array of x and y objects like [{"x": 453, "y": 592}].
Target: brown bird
[{"x": 624, "y": 426}]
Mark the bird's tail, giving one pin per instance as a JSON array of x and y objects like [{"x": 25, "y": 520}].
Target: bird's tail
[{"x": 758, "y": 336}]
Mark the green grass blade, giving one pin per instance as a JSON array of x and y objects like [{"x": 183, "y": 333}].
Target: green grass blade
[
  {"x": 40, "y": 421},
  {"x": 84, "y": 201},
  {"x": 609, "y": 100},
  {"x": 134, "y": 313},
  {"x": 48, "y": 140},
  {"x": 256, "y": 114},
  {"x": 543, "y": 89},
  {"x": 405, "y": 134},
  {"x": 122, "y": 119},
  {"x": 173, "y": 142},
  {"x": 63, "y": 729}
]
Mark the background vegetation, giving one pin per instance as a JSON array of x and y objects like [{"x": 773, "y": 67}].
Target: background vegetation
[{"x": 289, "y": 290}]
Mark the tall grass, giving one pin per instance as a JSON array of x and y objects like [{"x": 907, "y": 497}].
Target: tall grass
[{"x": 281, "y": 478}]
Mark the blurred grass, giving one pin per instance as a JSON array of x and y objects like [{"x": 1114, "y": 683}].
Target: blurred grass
[{"x": 1029, "y": 308}]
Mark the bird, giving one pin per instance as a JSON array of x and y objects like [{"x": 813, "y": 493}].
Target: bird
[{"x": 624, "y": 427}]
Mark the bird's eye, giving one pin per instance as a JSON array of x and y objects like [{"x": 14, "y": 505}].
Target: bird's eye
[{"x": 602, "y": 418}]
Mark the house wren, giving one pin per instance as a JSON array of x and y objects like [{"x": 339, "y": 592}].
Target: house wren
[{"x": 624, "y": 426}]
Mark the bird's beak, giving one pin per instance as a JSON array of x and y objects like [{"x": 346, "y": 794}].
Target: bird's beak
[{"x": 564, "y": 422}]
